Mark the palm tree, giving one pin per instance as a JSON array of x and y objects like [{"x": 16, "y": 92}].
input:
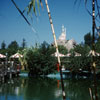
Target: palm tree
[
  {"x": 93, "y": 47},
  {"x": 23, "y": 59},
  {"x": 56, "y": 45},
  {"x": 95, "y": 16}
]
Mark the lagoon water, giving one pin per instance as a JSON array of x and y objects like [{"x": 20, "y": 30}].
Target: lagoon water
[{"x": 45, "y": 89}]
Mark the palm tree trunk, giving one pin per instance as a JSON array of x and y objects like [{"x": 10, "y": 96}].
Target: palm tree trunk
[
  {"x": 93, "y": 48},
  {"x": 55, "y": 41}
]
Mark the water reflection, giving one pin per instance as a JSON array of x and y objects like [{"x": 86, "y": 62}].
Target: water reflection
[{"x": 45, "y": 89}]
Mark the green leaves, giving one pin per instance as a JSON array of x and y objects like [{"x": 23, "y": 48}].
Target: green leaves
[
  {"x": 23, "y": 60},
  {"x": 40, "y": 61},
  {"x": 79, "y": 62},
  {"x": 38, "y": 4},
  {"x": 32, "y": 6}
]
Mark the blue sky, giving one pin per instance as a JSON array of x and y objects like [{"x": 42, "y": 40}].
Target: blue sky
[{"x": 13, "y": 27}]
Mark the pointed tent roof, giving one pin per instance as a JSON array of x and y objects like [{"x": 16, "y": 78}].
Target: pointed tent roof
[
  {"x": 60, "y": 55},
  {"x": 16, "y": 55},
  {"x": 96, "y": 54},
  {"x": 2, "y": 56}
]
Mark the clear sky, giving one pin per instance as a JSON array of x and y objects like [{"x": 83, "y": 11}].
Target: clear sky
[{"x": 74, "y": 17}]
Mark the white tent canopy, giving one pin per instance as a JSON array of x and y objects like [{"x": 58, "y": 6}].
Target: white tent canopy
[
  {"x": 2, "y": 56},
  {"x": 67, "y": 55},
  {"x": 76, "y": 54},
  {"x": 95, "y": 53},
  {"x": 60, "y": 55},
  {"x": 16, "y": 55}
]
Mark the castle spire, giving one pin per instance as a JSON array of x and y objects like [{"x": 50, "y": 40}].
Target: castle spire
[
  {"x": 63, "y": 28},
  {"x": 63, "y": 34}
]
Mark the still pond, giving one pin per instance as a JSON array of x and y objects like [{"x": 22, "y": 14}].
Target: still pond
[{"x": 45, "y": 89}]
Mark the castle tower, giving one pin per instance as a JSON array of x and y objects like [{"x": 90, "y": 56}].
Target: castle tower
[{"x": 69, "y": 44}]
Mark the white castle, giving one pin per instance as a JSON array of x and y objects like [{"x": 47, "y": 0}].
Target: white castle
[{"x": 69, "y": 44}]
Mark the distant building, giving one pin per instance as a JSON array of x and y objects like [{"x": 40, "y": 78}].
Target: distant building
[{"x": 69, "y": 44}]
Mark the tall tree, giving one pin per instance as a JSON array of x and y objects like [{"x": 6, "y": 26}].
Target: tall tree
[
  {"x": 3, "y": 49},
  {"x": 93, "y": 47},
  {"x": 12, "y": 48},
  {"x": 83, "y": 50},
  {"x": 23, "y": 43},
  {"x": 88, "y": 39},
  {"x": 3, "y": 45},
  {"x": 13, "y": 45}
]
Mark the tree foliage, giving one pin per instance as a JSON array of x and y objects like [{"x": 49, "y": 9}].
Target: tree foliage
[
  {"x": 40, "y": 61},
  {"x": 3, "y": 45},
  {"x": 13, "y": 44},
  {"x": 83, "y": 50},
  {"x": 23, "y": 43},
  {"x": 62, "y": 49},
  {"x": 88, "y": 39}
]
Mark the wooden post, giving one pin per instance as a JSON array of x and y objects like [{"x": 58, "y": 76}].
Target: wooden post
[
  {"x": 93, "y": 48},
  {"x": 56, "y": 45},
  {"x": 91, "y": 95}
]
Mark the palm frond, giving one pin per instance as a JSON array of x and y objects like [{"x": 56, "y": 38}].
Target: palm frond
[
  {"x": 41, "y": 3},
  {"x": 98, "y": 9},
  {"x": 38, "y": 4},
  {"x": 20, "y": 12},
  {"x": 34, "y": 8},
  {"x": 75, "y": 2},
  {"x": 85, "y": 2},
  {"x": 32, "y": 5}
]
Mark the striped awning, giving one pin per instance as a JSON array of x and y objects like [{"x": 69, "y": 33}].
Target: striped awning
[
  {"x": 16, "y": 55},
  {"x": 2, "y": 56}
]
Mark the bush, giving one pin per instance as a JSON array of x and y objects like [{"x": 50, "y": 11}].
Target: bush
[{"x": 40, "y": 61}]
